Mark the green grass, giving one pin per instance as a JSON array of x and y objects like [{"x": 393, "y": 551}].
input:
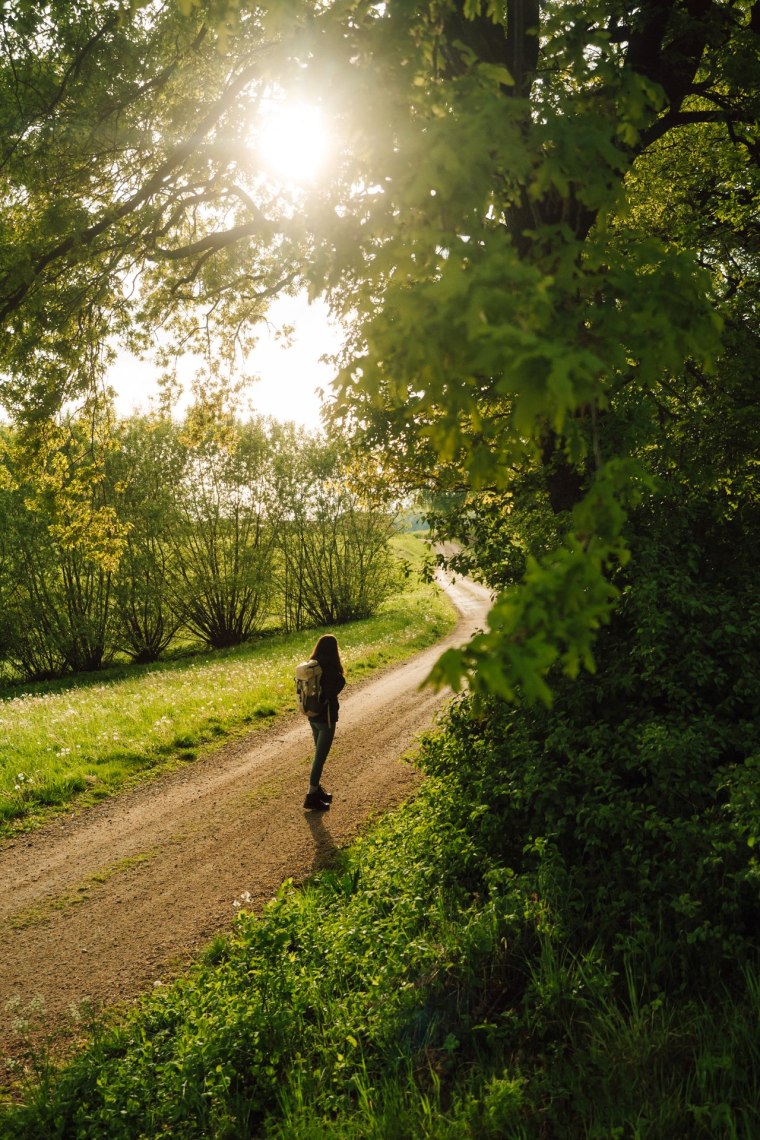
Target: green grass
[{"x": 86, "y": 737}]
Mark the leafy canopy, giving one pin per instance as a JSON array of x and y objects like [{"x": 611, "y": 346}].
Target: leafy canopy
[{"x": 488, "y": 234}]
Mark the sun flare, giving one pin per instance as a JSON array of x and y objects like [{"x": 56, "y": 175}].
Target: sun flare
[{"x": 293, "y": 142}]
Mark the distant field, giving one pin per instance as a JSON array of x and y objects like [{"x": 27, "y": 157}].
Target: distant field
[{"x": 86, "y": 737}]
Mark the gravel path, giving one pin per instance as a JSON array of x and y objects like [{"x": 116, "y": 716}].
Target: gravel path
[{"x": 101, "y": 905}]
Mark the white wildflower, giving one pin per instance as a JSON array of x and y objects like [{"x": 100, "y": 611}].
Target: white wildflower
[{"x": 245, "y": 899}]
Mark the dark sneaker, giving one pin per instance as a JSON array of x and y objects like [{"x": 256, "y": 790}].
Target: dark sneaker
[
  {"x": 326, "y": 796},
  {"x": 315, "y": 801}
]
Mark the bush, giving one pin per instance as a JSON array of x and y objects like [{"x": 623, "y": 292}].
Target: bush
[{"x": 638, "y": 787}]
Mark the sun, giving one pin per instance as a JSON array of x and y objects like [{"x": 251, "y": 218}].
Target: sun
[{"x": 293, "y": 142}]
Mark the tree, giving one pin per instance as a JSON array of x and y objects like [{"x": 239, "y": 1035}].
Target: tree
[
  {"x": 225, "y": 527},
  {"x": 63, "y": 543},
  {"x": 146, "y": 466},
  {"x": 333, "y": 537},
  {"x": 130, "y": 185},
  {"x": 506, "y": 306}
]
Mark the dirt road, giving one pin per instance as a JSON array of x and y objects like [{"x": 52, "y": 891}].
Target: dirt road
[{"x": 100, "y": 906}]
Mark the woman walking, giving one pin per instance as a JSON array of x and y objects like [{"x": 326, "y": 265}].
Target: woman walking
[{"x": 323, "y": 722}]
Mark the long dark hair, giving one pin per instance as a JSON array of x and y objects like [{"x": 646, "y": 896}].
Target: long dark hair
[{"x": 326, "y": 651}]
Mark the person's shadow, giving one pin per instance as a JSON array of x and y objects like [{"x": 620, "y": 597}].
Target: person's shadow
[{"x": 325, "y": 849}]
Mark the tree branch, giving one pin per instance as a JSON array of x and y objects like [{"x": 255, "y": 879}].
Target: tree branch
[
  {"x": 153, "y": 184},
  {"x": 673, "y": 119},
  {"x": 72, "y": 71}
]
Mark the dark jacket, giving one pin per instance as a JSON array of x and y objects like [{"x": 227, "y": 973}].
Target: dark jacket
[{"x": 332, "y": 683}]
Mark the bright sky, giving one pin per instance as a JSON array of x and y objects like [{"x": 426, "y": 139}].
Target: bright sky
[
  {"x": 292, "y": 141},
  {"x": 289, "y": 374}
]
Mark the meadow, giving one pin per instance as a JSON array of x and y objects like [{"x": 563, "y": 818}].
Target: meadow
[{"x": 88, "y": 736}]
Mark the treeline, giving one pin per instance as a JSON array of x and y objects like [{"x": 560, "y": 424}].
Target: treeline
[{"x": 123, "y": 537}]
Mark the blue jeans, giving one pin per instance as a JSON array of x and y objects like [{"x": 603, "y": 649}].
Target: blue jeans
[{"x": 323, "y": 734}]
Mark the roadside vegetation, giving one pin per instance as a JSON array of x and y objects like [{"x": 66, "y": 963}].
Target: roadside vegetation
[
  {"x": 476, "y": 966},
  {"x": 84, "y": 737}
]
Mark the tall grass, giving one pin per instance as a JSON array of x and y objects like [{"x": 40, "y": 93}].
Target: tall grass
[{"x": 87, "y": 736}]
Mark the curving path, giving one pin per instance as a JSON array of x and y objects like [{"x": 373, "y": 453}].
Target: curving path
[{"x": 103, "y": 904}]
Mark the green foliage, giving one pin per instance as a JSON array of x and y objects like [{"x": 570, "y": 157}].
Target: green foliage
[
  {"x": 521, "y": 312},
  {"x": 554, "y": 614},
  {"x": 62, "y": 543},
  {"x": 226, "y": 518},
  {"x": 124, "y": 154},
  {"x": 333, "y": 537},
  {"x": 558, "y": 933},
  {"x": 146, "y": 467},
  {"x": 492, "y": 230},
  {"x": 118, "y": 537},
  {"x": 641, "y": 781},
  {"x": 542, "y": 234}
]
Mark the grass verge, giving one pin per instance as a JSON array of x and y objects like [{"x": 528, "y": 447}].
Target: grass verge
[{"x": 87, "y": 737}]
